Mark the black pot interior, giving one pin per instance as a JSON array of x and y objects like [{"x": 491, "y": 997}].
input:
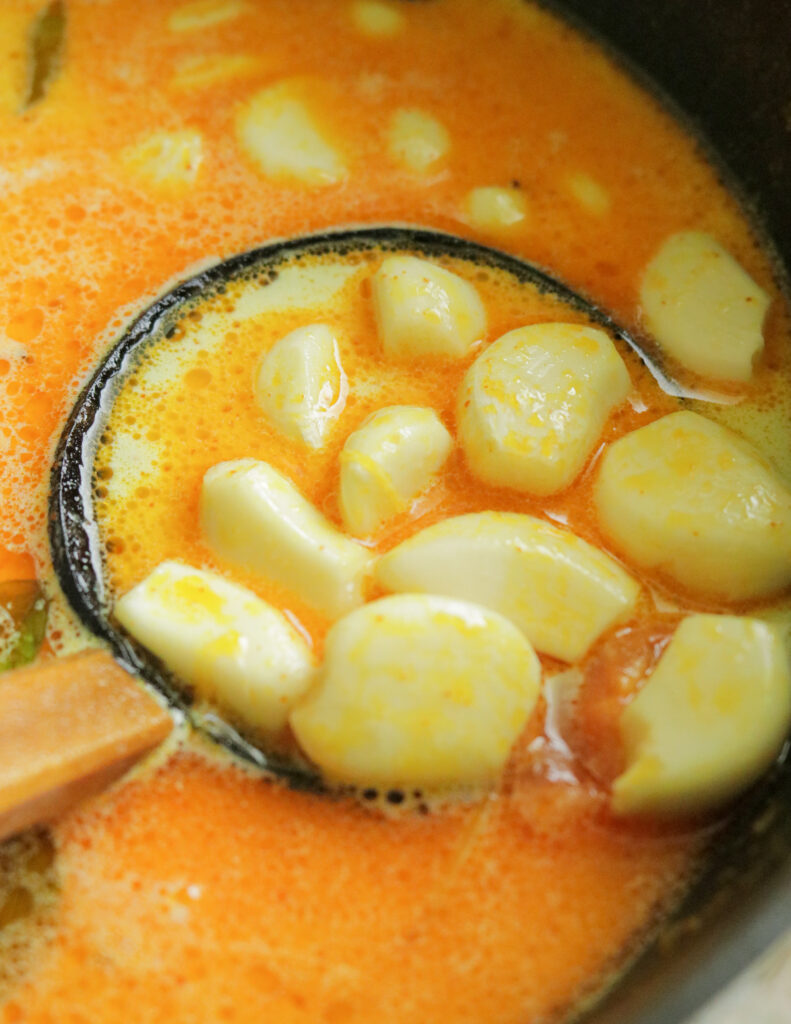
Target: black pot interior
[{"x": 725, "y": 65}]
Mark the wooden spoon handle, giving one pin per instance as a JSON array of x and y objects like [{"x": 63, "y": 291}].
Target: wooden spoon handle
[{"x": 68, "y": 728}]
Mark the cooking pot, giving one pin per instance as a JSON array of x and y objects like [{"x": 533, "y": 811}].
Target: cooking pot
[{"x": 724, "y": 64}]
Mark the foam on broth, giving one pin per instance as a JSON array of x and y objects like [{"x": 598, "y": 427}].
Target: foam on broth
[{"x": 195, "y": 890}]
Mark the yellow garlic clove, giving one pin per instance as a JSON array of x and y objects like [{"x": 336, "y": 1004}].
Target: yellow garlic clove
[
  {"x": 203, "y": 70},
  {"x": 560, "y": 591},
  {"x": 533, "y": 405},
  {"x": 169, "y": 161},
  {"x": 418, "y": 690},
  {"x": 200, "y": 14},
  {"x": 280, "y": 135},
  {"x": 417, "y": 141},
  {"x": 686, "y": 497},
  {"x": 391, "y": 459},
  {"x": 495, "y": 209},
  {"x": 703, "y": 309},
  {"x": 376, "y": 19},
  {"x": 592, "y": 196},
  {"x": 709, "y": 721},
  {"x": 423, "y": 309},
  {"x": 225, "y": 641},
  {"x": 300, "y": 385},
  {"x": 256, "y": 518}
]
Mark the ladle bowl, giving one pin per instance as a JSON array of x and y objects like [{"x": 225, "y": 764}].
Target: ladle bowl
[{"x": 77, "y": 551}]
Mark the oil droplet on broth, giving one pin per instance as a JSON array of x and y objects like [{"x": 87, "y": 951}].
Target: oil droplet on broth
[{"x": 197, "y": 378}]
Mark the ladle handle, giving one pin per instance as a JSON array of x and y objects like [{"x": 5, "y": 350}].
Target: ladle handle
[{"x": 68, "y": 728}]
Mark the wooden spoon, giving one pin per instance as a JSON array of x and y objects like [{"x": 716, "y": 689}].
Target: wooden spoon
[{"x": 68, "y": 728}]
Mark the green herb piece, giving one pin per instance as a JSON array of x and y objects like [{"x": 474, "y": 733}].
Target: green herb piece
[
  {"x": 45, "y": 50},
  {"x": 23, "y": 622}
]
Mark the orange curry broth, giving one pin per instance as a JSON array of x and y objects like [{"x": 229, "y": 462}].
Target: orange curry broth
[{"x": 194, "y": 891}]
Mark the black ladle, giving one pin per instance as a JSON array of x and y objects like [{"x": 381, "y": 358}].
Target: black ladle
[{"x": 77, "y": 553}]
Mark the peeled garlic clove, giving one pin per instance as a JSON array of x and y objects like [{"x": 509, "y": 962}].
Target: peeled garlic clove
[
  {"x": 686, "y": 497},
  {"x": 201, "y": 14},
  {"x": 300, "y": 385},
  {"x": 166, "y": 160},
  {"x": 256, "y": 518},
  {"x": 203, "y": 70},
  {"x": 222, "y": 639},
  {"x": 589, "y": 193},
  {"x": 387, "y": 462},
  {"x": 423, "y": 309},
  {"x": 417, "y": 141},
  {"x": 377, "y": 19},
  {"x": 278, "y": 132},
  {"x": 533, "y": 405},
  {"x": 709, "y": 721},
  {"x": 560, "y": 591},
  {"x": 418, "y": 691},
  {"x": 495, "y": 209},
  {"x": 703, "y": 309}
]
